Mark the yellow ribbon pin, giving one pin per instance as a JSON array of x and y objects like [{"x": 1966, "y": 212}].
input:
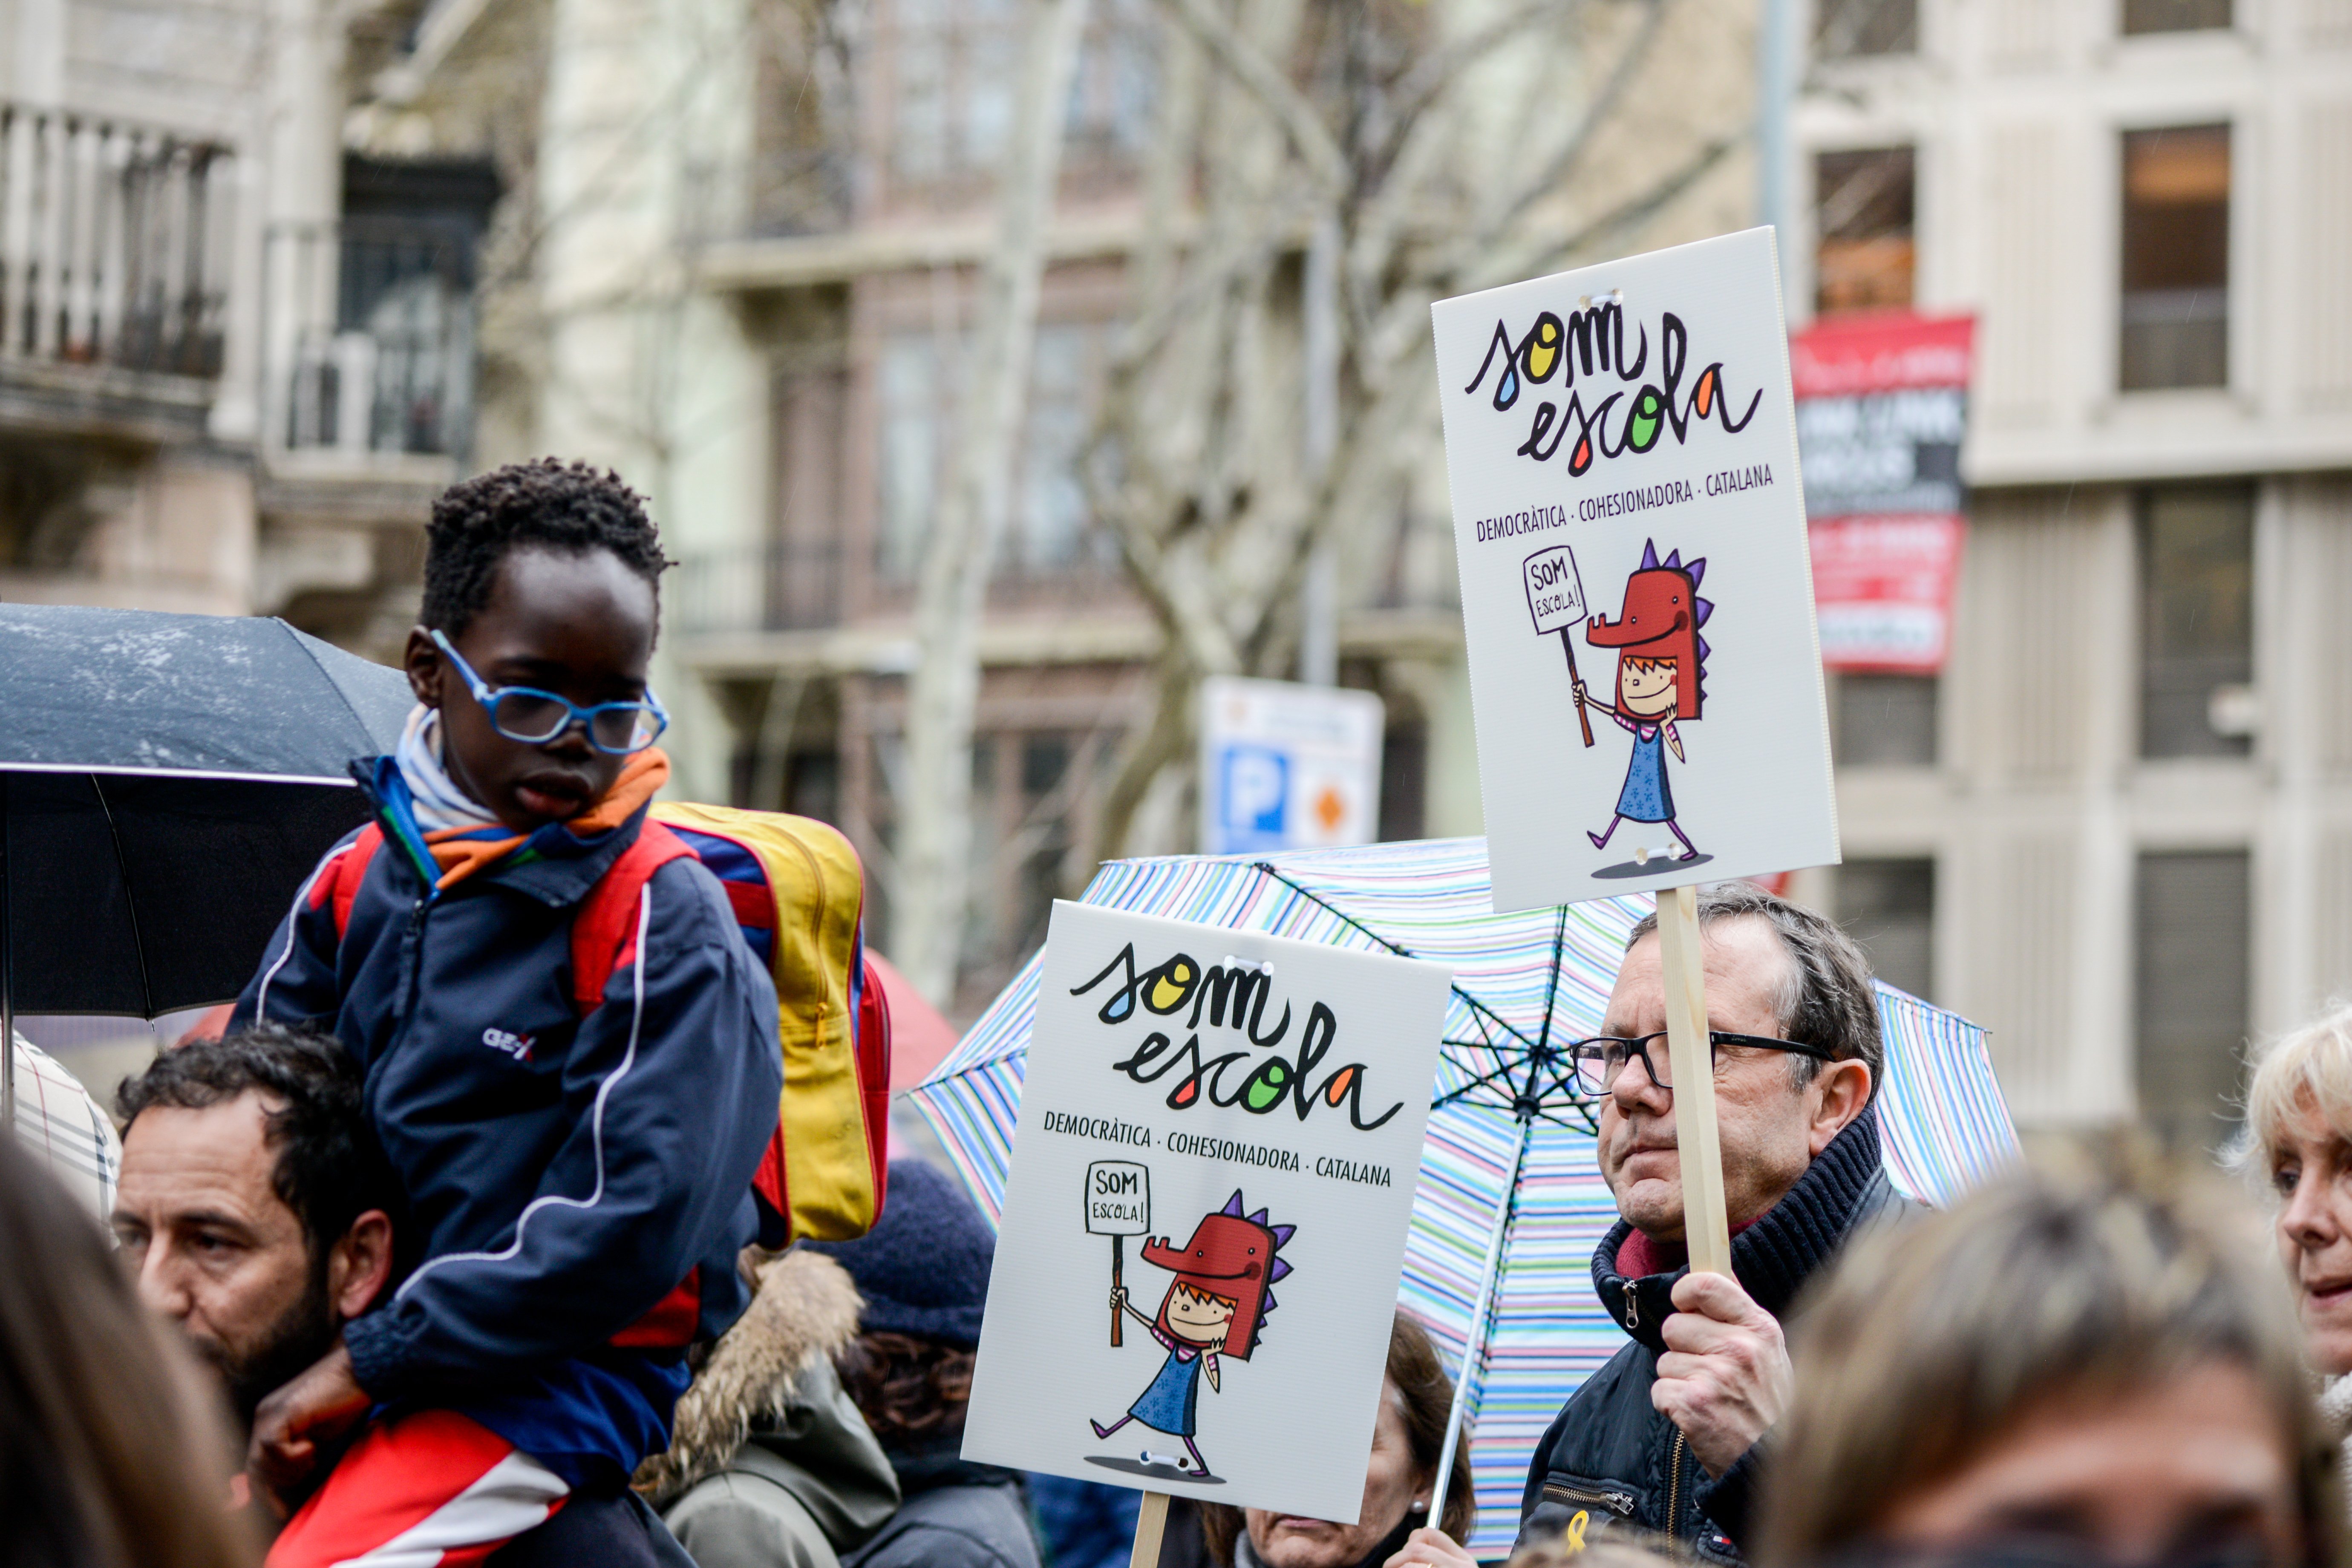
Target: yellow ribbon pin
[{"x": 1575, "y": 1534}]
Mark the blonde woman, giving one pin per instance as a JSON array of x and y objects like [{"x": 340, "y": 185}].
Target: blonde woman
[{"x": 2299, "y": 1134}]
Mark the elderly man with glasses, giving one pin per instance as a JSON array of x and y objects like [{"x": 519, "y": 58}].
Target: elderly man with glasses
[{"x": 1663, "y": 1437}]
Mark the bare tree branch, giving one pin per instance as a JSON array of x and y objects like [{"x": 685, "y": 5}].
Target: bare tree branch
[
  {"x": 1267, "y": 83},
  {"x": 1434, "y": 75}
]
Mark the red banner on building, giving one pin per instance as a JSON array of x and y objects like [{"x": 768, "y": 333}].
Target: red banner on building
[{"x": 1882, "y": 405}]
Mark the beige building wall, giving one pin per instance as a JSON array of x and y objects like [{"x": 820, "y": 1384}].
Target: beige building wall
[
  {"x": 2040, "y": 805},
  {"x": 172, "y": 489}
]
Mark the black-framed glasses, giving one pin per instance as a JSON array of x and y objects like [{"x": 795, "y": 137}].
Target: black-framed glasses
[
  {"x": 1598, "y": 1060},
  {"x": 533, "y": 717}
]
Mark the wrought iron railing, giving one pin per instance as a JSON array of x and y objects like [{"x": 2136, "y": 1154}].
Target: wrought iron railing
[
  {"x": 370, "y": 334},
  {"x": 781, "y": 586},
  {"x": 114, "y": 243}
]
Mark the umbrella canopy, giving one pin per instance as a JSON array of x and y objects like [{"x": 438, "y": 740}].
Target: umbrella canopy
[
  {"x": 1524, "y": 984},
  {"x": 920, "y": 1035},
  {"x": 166, "y": 782}
]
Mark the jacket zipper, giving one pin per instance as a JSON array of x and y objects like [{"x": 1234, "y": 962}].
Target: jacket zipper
[
  {"x": 412, "y": 942},
  {"x": 1675, "y": 1486},
  {"x": 1617, "y": 1502}
]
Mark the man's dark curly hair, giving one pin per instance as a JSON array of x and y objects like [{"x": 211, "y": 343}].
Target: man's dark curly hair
[
  {"x": 329, "y": 1168},
  {"x": 547, "y": 503}
]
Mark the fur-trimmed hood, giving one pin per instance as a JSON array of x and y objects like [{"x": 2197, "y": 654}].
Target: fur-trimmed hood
[{"x": 805, "y": 1309}]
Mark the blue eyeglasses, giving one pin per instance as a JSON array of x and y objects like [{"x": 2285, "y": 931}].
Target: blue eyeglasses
[{"x": 533, "y": 717}]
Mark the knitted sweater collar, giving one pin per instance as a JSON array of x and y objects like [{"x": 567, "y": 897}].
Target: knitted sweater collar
[{"x": 1774, "y": 1256}]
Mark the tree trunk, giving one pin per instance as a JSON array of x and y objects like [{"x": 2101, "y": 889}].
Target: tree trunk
[{"x": 934, "y": 843}]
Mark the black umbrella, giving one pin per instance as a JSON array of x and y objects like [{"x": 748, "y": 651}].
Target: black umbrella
[{"x": 166, "y": 782}]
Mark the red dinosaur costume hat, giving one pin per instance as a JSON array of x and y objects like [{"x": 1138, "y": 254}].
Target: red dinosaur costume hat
[
  {"x": 1233, "y": 1256},
  {"x": 1661, "y": 619}
]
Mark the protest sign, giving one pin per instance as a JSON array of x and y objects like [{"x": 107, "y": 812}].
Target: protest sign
[
  {"x": 1252, "y": 1109},
  {"x": 1882, "y": 407},
  {"x": 1628, "y": 430},
  {"x": 1622, "y": 449}
]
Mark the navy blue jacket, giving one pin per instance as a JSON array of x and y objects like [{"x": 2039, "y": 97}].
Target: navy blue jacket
[
  {"x": 1609, "y": 1454},
  {"x": 563, "y": 1174}
]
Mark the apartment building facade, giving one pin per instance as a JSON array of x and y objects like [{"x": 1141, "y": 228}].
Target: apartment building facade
[
  {"x": 233, "y": 364},
  {"x": 2117, "y": 829},
  {"x": 755, "y": 231}
]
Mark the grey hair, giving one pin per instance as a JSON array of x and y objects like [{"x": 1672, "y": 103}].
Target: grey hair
[
  {"x": 1825, "y": 996},
  {"x": 2306, "y": 1070}
]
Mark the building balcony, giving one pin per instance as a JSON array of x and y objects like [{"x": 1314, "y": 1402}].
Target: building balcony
[
  {"x": 781, "y": 586},
  {"x": 114, "y": 265},
  {"x": 370, "y": 350}
]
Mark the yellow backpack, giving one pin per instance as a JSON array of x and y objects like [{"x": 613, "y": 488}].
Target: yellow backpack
[{"x": 799, "y": 898}]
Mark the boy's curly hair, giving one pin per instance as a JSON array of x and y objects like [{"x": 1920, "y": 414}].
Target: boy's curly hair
[{"x": 548, "y": 503}]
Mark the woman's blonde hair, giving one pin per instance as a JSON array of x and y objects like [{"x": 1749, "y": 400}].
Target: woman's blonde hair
[
  {"x": 1621, "y": 1548},
  {"x": 2104, "y": 1271},
  {"x": 2306, "y": 1070}
]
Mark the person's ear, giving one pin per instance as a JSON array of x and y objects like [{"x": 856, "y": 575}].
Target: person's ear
[
  {"x": 1838, "y": 1093},
  {"x": 425, "y": 665},
  {"x": 359, "y": 1265}
]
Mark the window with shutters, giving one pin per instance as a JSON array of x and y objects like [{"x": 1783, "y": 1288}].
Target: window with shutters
[
  {"x": 1865, "y": 252},
  {"x": 2175, "y": 15},
  {"x": 1889, "y": 907},
  {"x": 2194, "y": 962},
  {"x": 2175, "y": 326},
  {"x": 1885, "y": 721},
  {"x": 2197, "y": 621},
  {"x": 1847, "y": 30}
]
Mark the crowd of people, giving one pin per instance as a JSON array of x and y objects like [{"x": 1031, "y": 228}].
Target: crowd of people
[{"x": 397, "y": 1276}]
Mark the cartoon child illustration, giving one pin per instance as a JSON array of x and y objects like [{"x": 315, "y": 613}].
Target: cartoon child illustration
[
  {"x": 1220, "y": 1296},
  {"x": 1661, "y": 661}
]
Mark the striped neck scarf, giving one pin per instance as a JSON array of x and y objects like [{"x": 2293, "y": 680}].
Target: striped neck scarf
[{"x": 463, "y": 836}]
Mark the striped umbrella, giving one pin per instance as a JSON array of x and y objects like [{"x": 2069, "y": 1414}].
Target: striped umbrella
[{"x": 1510, "y": 1203}]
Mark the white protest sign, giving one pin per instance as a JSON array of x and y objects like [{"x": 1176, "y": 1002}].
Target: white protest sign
[
  {"x": 1621, "y": 443},
  {"x": 1259, "y": 1104},
  {"x": 1287, "y": 766}
]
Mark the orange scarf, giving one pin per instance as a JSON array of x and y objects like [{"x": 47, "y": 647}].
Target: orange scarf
[{"x": 462, "y": 851}]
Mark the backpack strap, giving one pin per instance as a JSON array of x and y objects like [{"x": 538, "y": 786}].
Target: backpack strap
[
  {"x": 341, "y": 886},
  {"x": 604, "y": 932}
]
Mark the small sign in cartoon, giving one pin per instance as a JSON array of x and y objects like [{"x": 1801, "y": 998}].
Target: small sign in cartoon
[
  {"x": 1118, "y": 1204},
  {"x": 1213, "y": 1309},
  {"x": 1661, "y": 663},
  {"x": 1556, "y": 599}
]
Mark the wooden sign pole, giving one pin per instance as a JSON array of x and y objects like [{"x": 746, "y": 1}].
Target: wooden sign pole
[
  {"x": 1576, "y": 683},
  {"x": 1706, "y": 1230},
  {"x": 1149, "y": 1521}
]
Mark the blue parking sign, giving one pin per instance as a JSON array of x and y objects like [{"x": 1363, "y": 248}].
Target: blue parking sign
[{"x": 1255, "y": 793}]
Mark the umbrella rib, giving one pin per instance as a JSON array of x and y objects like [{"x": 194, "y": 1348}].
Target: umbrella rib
[
  {"x": 129, "y": 902},
  {"x": 1551, "y": 982},
  {"x": 1484, "y": 1081},
  {"x": 1266, "y": 868},
  {"x": 328, "y": 676}
]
